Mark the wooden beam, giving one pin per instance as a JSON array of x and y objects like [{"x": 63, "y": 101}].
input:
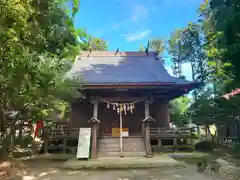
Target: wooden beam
[
  {"x": 94, "y": 122},
  {"x": 95, "y": 109},
  {"x": 146, "y": 127},
  {"x": 146, "y": 108}
]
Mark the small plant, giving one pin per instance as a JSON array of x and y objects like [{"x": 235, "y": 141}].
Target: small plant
[
  {"x": 214, "y": 166},
  {"x": 205, "y": 146},
  {"x": 202, "y": 165}
]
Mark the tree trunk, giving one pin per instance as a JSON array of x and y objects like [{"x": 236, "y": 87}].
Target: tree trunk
[
  {"x": 209, "y": 133},
  {"x": 198, "y": 130},
  {"x": 6, "y": 135},
  {"x": 206, "y": 130},
  {"x": 218, "y": 135},
  {"x": 3, "y": 150}
]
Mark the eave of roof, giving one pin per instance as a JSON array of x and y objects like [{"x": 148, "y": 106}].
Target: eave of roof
[{"x": 156, "y": 85}]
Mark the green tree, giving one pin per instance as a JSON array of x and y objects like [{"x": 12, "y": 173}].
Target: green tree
[
  {"x": 178, "y": 110},
  {"x": 141, "y": 48},
  {"x": 157, "y": 44},
  {"x": 175, "y": 49},
  {"x": 227, "y": 24},
  {"x": 38, "y": 45},
  {"x": 87, "y": 42}
]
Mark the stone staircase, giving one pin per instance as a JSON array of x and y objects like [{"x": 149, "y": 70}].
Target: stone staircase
[{"x": 110, "y": 147}]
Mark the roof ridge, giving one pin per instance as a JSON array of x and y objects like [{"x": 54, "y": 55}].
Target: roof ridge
[{"x": 115, "y": 53}]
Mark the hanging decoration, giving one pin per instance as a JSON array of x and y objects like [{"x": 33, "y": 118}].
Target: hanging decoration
[{"x": 121, "y": 107}]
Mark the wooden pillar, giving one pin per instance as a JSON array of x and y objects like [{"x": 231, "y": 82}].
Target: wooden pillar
[
  {"x": 167, "y": 121},
  {"x": 146, "y": 108},
  {"x": 94, "y": 140},
  {"x": 147, "y": 128},
  {"x": 94, "y": 122},
  {"x": 143, "y": 128},
  {"x": 146, "y": 112},
  {"x": 121, "y": 138},
  {"x": 95, "y": 109},
  {"x": 147, "y": 138}
]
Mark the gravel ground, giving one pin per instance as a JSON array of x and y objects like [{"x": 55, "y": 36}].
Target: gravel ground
[{"x": 51, "y": 171}]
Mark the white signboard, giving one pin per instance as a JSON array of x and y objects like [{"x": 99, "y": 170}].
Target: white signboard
[
  {"x": 84, "y": 140},
  {"x": 125, "y": 134}
]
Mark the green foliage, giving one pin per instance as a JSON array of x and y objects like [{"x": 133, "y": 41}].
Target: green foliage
[
  {"x": 157, "y": 45},
  {"x": 205, "y": 146},
  {"x": 38, "y": 46},
  {"x": 178, "y": 110},
  {"x": 87, "y": 41},
  {"x": 141, "y": 48},
  {"x": 211, "y": 46},
  {"x": 185, "y": 46},
  {"x": 175, "y": 49},
  {"x": 236, "y": 150},
  {"x": 227, "y": 17}
]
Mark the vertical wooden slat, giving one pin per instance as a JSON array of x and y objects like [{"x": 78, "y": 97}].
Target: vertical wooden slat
[
  {"x": 121, "y": 139},
  {"x": 147, "y": 129},
  {"x": 64, "y": 145},
  {"x": 94, "y": 130},
  {"x": 95, "y": 109},
  {"x": 146, "y": 108},
  {"x": 45, "y": 140},
  {"x": 94, "y": 141}
]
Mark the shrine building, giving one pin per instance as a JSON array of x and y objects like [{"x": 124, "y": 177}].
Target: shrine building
[{"x": 125, "y": 95}]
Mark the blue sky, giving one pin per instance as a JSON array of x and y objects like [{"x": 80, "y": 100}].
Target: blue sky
[{"x": 125, "y": 24}]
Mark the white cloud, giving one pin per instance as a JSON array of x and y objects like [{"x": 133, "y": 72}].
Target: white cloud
[
  {"x": 130, "y": 37},
  {"x": 139, "y": 12}
]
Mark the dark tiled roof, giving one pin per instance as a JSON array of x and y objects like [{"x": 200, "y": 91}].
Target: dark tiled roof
[{"x": 105, "y": 68}]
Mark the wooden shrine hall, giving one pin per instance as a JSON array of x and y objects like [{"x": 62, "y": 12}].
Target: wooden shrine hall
[{"x": 126, "y": 94}]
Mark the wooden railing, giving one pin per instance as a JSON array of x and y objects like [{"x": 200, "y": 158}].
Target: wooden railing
[
  {"x": 154, "y": 132},
  {"x": 171, "y": 132},
  {"x": 62, "y": 132}
]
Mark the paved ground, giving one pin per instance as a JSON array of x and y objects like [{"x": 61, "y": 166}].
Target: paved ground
[
  {"x": 122, "y": 163},
  {"x": 51, "y": 171}
]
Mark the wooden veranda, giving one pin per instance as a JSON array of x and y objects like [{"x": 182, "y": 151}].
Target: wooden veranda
[{"x": 61, "y": 137}]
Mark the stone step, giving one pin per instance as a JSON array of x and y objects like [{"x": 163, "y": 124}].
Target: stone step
[
  {"x": 117, "y": 154},
  {"x": 111, "y": 147},
  {"x": 108, "y": 154},
  {"x": 130, "y": 149},
  {"x": 117, "y": 146},
  {"x": 102, "y": 149}
]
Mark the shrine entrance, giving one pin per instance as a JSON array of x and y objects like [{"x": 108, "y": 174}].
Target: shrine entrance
[
  {"x": 122, "y": 122},
  {"x": 121, "y": 119}
]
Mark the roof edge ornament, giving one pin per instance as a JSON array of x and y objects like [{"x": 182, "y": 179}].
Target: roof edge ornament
[
  {"x": 117, "y": 51},
  {"x": 147, "y": 49}
]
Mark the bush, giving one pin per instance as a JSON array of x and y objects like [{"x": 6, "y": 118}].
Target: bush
[
  {"x": 205, "y": 146},
  {"x": 24, "y": 141},
  {"x": 236, "y": 150}
]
